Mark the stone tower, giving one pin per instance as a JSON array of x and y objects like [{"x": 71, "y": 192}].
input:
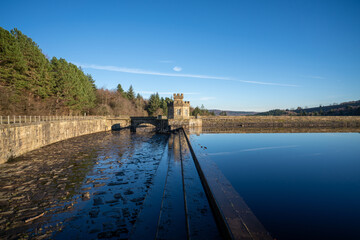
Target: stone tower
[{"x": 179, "y": 109}]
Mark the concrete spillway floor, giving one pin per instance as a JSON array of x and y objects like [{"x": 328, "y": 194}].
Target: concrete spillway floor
[
  {"x": 106, "y": 186},
  {"x": 177, "y": 200}
]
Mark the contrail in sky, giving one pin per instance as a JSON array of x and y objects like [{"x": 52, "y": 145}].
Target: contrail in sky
[{"x": 146, "y": 72}]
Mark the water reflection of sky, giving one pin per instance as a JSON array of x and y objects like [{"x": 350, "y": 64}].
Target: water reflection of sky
[
  {"x": 300, "y": 186},
  {"x": 250, "y": 150}
]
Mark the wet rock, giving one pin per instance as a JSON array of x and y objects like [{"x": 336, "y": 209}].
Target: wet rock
[
  {"x": 18, "y": 198},
  {"x": 4, "y": 202},
  {"x": 125, "y": 212},
  {"x": 89, "y": 180},
  {"x": 6, "y": 213},
  {"x": 122, "y": 230},
  {"x": 116, "y": 214},
  {"x": 99, "y": 193},
  {"x": 118, "y": 196},
  {"x": 94, "y": 212},
  {"x": 115, "y": 183},
  {"x": 95, "y": 230},
  {"x": 121, "y": 223},
  {"x": 108, "y": 225},
  {"x": 107, "y": 234},
  {"x": 128, "y": 192},
  {"x": 85, "y": 196},
  {"x": 120, "y": 174},
  {"x": 140, "y": 199},
  {"x": 102, "y": 178},
  {"x": 61, "y": 186},
  {"x": 98, "y": 201},
  {"x": 95, "y": 185},
  {"x": 112, "y": 201}
]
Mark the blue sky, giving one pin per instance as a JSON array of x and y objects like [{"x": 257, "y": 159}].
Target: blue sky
[{"x": 230, "y": 55}]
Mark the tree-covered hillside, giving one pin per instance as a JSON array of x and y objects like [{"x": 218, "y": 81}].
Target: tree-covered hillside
[
  {"x": 342, "y": 109},
  {"x": 32, "y": 84}
]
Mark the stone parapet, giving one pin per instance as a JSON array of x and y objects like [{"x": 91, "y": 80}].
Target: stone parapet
[{"x": 18, "y": 139}]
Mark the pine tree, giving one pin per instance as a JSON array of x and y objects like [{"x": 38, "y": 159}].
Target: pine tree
[
  {"x": 38, "y": 66},
  {"x": 119, "y": 89},
  {"x": 130, "y": 93},
  {"x": 12, "y": 63},
  {"x": 154, "y": 104},
  {"x": 163, "y": 105}
]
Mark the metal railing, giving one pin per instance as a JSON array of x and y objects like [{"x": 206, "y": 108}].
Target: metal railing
[{"x": 7, "y": 120}]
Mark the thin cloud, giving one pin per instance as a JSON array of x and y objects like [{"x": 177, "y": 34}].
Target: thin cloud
[
  {"x": 252, "y": 150},
  {"x": 166, "y": 93},
  {"x": 177, "y": 69},
  {"x": 146, "y": 72},
  {"x": 207, "y": 98},
  {"x": 316, "y": 77}
]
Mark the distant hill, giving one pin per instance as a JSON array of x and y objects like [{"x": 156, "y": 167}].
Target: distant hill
[
  {"x": 277, "y": 112},
  {"x": 343, "y": 109},
  {"x": 347, "y": 108},
  {"x": 232, "y": 113}
]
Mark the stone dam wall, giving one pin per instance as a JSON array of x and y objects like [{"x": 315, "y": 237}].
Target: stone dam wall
[
  {"x": 18, "y": 139},
  {"x": 185, "y": 123},
  {"x": 281, "y": 122}
]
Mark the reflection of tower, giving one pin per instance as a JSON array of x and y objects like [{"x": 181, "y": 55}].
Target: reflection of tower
[
  {"x": 177, "y": 156},
  {"x": 195, "y": 130},
  {"x": 184, "y": 145},
  {"x": 179, "y": 109},
  {"x": 171, "y": 141}
]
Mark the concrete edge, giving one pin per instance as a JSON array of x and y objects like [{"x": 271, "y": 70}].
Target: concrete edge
[
  {"x": 219, "y": 217},
  {"x": 230, "y": 225}
]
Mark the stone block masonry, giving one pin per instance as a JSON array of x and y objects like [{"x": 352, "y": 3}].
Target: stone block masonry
[
  {"x": 17, "y": 139},
  {"x": 268, "y": 122},
  {"x": 185, "y": 123}
]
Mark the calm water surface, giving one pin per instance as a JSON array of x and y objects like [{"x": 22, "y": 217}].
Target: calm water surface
[{"x": 300, "y": 186}]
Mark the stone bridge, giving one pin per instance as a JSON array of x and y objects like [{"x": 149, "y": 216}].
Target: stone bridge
[{"x": 161, "y": 125}]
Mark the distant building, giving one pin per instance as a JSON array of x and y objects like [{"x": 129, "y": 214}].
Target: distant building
[{"x": 179, "y": 109}]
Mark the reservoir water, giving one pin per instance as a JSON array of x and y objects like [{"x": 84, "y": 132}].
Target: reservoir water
[{"x": 299, "y": 185}]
